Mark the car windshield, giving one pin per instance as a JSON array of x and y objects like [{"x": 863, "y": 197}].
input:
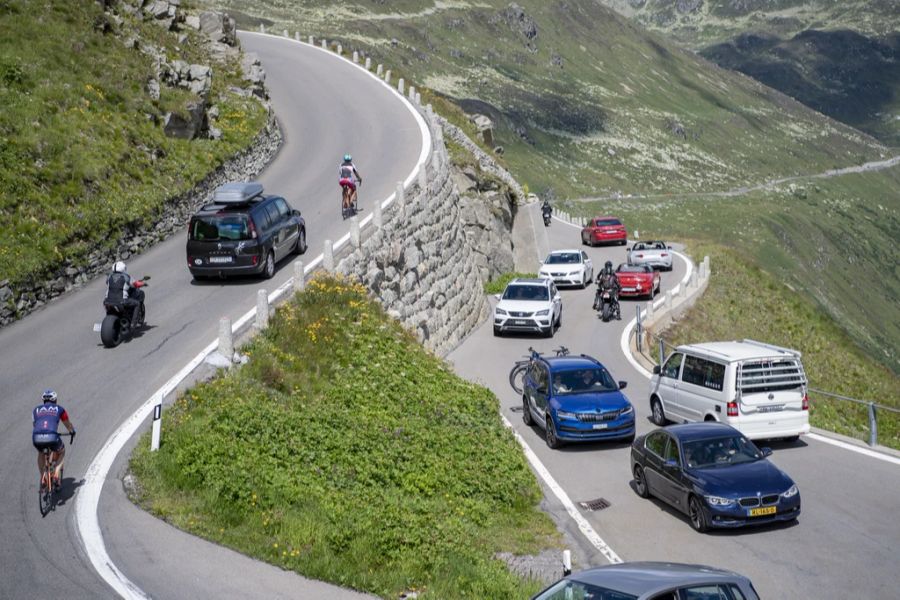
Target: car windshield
[
  {"x": 580, "y": 381},
  {"x": 577, "y": 590},
  {"x": 719, "y": 452},
  {"x": 564, "y": 258},
  {"x": 607, "y": 222},
  {"x": 633, "y": 269},
  {"x": 526, "y": 292},
  {"x": 220, "y": 227}
]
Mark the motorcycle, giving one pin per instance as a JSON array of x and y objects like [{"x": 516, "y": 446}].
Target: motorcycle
[
  {"x": 116, "y": 325},
  {"x": 547, "y": 214},
  {"x": 605, "y": 304}
]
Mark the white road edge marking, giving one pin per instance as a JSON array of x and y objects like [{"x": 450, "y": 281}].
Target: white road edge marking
[
  {"x": 583, "y": 525},
  {"x": 626, "y": 335},
  {"x": 87, "y": 521}
]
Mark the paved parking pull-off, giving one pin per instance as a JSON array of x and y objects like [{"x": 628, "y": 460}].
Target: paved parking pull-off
[{"x": 845, "y": 544}]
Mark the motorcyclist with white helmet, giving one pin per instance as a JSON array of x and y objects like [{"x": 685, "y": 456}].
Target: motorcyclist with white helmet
[{"x": 121, "y": 288}]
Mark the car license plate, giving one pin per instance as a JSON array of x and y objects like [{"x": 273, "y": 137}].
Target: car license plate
[
  {"x": 624, "y": 289},
  {"x": 600, "y": 425},
  {"x": 771, "y": 408},
  {"x": 520, "y": 322},
  {"x": 220, "y": 259},
  {"x": 763, "y": 510}
]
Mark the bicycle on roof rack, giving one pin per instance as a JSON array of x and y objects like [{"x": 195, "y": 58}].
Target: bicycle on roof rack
[{"x": 517, "y": 374}]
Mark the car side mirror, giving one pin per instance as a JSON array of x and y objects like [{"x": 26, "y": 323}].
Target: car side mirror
[
  {"x": 766, "y": 451},
  {"x": 671, "y": 464},
  {"x": 145, "y": 278},
  {"x": 497, "y": 297},
  {"x": 657, "y": 369},
  {"x": 623, "y": 385},
  {"x": 295, "y": 212},
  {"x": 669, "y": 247},
  {"x": 542, "y": 389}
]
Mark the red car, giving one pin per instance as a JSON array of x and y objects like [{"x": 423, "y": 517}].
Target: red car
[
  {"x": 638, "y": 280},
  {"x": 602, "y": 230}
]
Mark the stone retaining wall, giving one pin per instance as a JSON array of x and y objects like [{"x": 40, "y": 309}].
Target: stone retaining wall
[
  {"x": 18, "y": 302},
  {"x": 418, "y": 263}
]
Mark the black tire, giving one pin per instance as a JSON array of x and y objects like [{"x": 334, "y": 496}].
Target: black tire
[
  {"x": 697, "y": 515},
  {"x": 791, "y": 439},
  {"x": 559, "y": 320},
  {"x": 549, "y": 331},
  {"x": 606, "y": 312},
  {"x": 497, "y": 332},
  {"x": 640, "y": 482},
  {"x": 658, "y": 415},
  {"x": 517, "y": 377},
  {"x": 526, "y": 412},
  {"x": 301, "y": 246},
  {"x": 111, "y": 331},
  {"x": 550, "y": 435},
  {"x": 269, "y": 267},
  {"x": 623, "y": 242}
]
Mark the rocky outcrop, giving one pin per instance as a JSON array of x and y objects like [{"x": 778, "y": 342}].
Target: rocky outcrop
[{"x": 487, "y": 209}]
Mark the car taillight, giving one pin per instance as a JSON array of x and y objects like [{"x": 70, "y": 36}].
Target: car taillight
[
  {"x": 252, "y": 231},
  {"x": 254, "y": 259},
  {"x": 190, "y": 260},
  {"x": 664, "y": 254},
  {"x": 805, "y": 402},
  {"x": 732, "y": 409},
  {"x": 640, "y": 256}
]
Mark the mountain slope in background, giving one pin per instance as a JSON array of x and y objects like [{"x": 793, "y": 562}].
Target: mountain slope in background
[
  {"x": 839, "y": 57},
  {"x": 587, "y": 103}
]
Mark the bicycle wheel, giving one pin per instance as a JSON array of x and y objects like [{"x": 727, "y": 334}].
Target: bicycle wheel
[
  {"x": 45, "y": 496},
  {"x": 517, "y": 376}
]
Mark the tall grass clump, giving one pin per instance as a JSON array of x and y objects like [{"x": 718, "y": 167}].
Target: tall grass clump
[{"x": 347, "y": 453}]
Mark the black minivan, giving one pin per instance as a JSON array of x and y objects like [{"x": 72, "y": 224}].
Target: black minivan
[{"x": 243, "y": 232}]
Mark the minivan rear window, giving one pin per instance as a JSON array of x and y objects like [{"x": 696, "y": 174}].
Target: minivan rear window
[
  {"x": 220, "y": 227},
  {"x": 771, "y": 375}
]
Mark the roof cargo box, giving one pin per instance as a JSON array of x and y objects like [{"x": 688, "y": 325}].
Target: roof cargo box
[{"x": 238, "y": 192}]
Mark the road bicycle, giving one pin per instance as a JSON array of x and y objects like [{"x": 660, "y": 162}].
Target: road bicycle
[
  {"x": 50, "y": 485},
  {"x": 348, "y": 208},
  {"x": 517, "y": 374}
]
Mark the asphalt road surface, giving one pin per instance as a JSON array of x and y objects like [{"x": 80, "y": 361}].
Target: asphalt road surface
[
  {"x": 844, "y": 544},
  {"x": 326, "y": 108}
]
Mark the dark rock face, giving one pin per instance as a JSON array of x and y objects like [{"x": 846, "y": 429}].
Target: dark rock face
[
  {"x": 522, "y": 23},
  {"x": 187, "y": 124},
  {"x": 843, "y": 74}
]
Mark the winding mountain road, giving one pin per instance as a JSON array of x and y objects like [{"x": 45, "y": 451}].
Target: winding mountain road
[
  {"x": 326, "y": 107},
  {"x": 844, "y": 544}
]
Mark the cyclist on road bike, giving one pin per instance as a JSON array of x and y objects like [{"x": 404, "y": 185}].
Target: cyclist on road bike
[
  {"x": 46, "y": 418},
  {"x": 349, "y": 177}
]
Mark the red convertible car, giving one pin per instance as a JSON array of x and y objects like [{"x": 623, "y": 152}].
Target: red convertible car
[
  {"x": 602, "y": 230},
  {"x": 638, "y": 280}
]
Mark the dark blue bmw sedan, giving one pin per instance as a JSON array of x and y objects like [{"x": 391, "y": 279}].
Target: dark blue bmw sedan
[
  {"x": 575, "y": 399},
  {"x": 714, "y": 475}
]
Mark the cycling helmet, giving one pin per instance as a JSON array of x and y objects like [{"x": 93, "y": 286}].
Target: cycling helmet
[
  {"x": 609, "y": 268},
  {"x": 49, "y": 396},
  {"x": 119, "y": 267},
  {"x": 348, "y": 158}
]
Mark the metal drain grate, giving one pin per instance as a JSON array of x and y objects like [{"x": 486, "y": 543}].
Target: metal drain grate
[{"x": 598, "y": 504}]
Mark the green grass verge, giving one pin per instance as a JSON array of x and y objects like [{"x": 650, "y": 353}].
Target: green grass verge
[
  {"x": 499, "y": 283},
  {"x": 83, "y": 155},
  {"x": 347, "y": 453},
  {"x": 744, "y": 301}
]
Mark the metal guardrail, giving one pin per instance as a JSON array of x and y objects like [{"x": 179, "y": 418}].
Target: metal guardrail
[{"x": 872, "y": 408}]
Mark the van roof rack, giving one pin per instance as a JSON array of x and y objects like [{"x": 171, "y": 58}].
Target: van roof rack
[
  {"x": 238, "y": 192},
  {"x": 788, "y": 351}
]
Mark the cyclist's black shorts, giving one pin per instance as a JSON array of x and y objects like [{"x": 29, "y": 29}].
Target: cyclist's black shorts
[{"x": 51, "y": 441}]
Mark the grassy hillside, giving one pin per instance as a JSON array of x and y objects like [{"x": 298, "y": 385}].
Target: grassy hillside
[
  {"x": 82, "y": 150},
  {"x": 351, "y": 455},
  {"x": 589, "y": 104},
  {"x": 838, "y": 57}
]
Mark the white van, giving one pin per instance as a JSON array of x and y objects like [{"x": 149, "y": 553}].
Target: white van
[{"x": 756, "y": 388}]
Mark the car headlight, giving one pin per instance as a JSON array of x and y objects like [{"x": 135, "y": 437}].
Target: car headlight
[
  {"x": 627, "y": 410},
  {"x": 718, "y": 501},
  {"x": 499, "y": 311},
  {"x": 561, "y": 414},
  {"x": 543, "y": 313},
  {"x": 791, "y": 492}
]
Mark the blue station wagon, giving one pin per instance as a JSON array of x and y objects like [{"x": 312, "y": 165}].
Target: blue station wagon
[{"x": 575, "y": 399}]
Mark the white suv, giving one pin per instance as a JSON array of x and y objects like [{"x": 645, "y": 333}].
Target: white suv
[
  {"x": 757, "y": 388},
  {"x": 568, "y": 267},
  {"x": 529, "y": 305}
]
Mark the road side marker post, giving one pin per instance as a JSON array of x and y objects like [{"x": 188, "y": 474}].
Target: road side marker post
[
  {"x": 567, "y": 563},
  {"x": 157, "y": 428},
  {"x": 262, "y": 309}
]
